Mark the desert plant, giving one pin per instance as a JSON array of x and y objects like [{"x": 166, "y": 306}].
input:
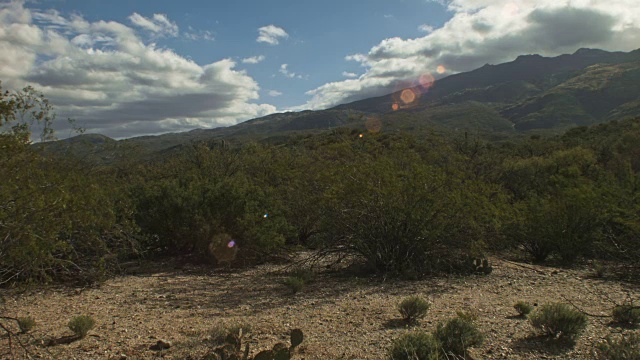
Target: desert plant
[
  {"x": 559, "y": 320},
  {"x": 219, "y": 334},
  {"x": 413, "y": 308},
  {"x": 623, "y": 348},
  {"x": 523, "y": 308},
  {"x": 627, "y": 314},
  {"x": 80, "y": 325},
  {"x": 26, "y": 324},
  {"x": 294, "y": 283},
  {"x": 416, "y": 345},
  {"x": 458, "y": 334}
]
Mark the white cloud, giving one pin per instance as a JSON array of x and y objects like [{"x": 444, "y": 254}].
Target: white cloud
[
  {"x": 195, "y": 35},
  {"x": 426, "y": 28},
  {"x": 349, "y": 74},
  {"x": 274, "y": 93},
  {"x": 271, "y": 34},
  {"x": 253, "y": 59},
  {"x": 284, "y": 70},
  {"x": 487, "y": 31},
  {"x": 159, "y": 24},
  {"x": 105, "y": 76}
]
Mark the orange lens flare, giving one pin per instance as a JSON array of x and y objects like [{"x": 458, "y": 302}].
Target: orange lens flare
[
  {"x": 426, "y": 80},
  {"x": 373, "y": 124},
  {"x": 408, "y": 96},
  {"x": 441, "y": 69},
  {"x": 395, "y": 106},
  {"x": 360, "y": 136}
]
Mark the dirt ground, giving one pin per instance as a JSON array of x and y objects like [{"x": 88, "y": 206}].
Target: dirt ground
[{"x": 342, "y": 317}]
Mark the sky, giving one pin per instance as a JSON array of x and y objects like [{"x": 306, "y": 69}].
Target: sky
[{"x": 127, "y": 68}]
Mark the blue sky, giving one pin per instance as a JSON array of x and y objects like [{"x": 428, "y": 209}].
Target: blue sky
[{"x": 128, "y": 68}]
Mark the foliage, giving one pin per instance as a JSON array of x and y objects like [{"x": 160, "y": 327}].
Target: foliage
[
  {"x": 523, "y": 308},
  {"x": 458, "y": 334},
  {"x": 404, "y": 216},
  {"x": 26, "y": 324},
  {"x": 417, "y": 345},
  {"x": 625, "y": 347},
  {"x": 559, "y": 321},
  {"x": 413, "y": 308},
  {"x": 59, "y": 220},
  {"x": 627, "y": 314},
  {"x": 81, "y": 325}
]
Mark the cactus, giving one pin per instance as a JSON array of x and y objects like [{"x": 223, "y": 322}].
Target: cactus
[
  {"x": 296, "y": 338},
  {"x": 231, "y": 350},
  {"x": 281, "y": 352}
]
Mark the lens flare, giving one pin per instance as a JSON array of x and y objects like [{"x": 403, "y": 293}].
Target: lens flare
[
  {"x": 231, "y": 244},
  {"x": 408, "y": 96},
  {"x": 426, "y": 81},
  {"x": 395, "y": 106},
  {"x": 373, "y": 124},
  {"x": 360, "y": 136},
  {"x": 265, "y": 216},
  {"x": 441, "y": 69}
]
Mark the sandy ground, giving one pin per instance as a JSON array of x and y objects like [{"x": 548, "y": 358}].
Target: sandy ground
[{"x": 342, "y": 317}]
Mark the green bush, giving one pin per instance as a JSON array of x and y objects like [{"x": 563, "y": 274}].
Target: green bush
[
  {"x": 294, "y": 283},
  {"x": 416, "y": 345},
  {"x": 26, "y": 324},
  {"x": 627, "y": 314},
  {"x": 413, "y": 308},
  {"x": 559, "y": 320},
  {"x": 458, "y": 334},
  {"x": 80, "y": 325},
  {"x": 523, "y": 308},
  {"x": 623, "y": 348}
]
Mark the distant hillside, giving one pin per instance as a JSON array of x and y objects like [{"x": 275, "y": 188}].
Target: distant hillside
[{"x": 531, "y": 93}]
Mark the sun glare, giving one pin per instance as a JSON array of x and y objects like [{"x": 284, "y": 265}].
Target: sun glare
[{"x": 441, "y": 69}]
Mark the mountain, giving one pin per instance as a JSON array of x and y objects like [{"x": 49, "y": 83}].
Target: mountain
[{"x": 531, "y": 93}]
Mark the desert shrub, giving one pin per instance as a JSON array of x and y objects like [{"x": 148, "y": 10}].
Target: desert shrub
[
  {"x": 61, "y": 219},
  {"x": 627, "y": 314},
  {"x": 80, "y": 325},
  {"x": 417, "y": 345},
  {"x": 413, "y": 308},
  {"x": 559, "y": 320},
  {"x": 26, "y": 324},
  {"x": 294, "y": 283},
  {"x": 523, "y": 308},
  {"x": 458, "y": 334},
  {"x": 203, "y": 191},
  {"x": 625, "y": 347},
  {"x": 404, "y": 217}
]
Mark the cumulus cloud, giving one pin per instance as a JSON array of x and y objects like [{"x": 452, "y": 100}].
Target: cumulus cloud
[
  {"x": 159, "y": 24},
  {"x": 274, "y": 93},
  {"x": 104, "y": 75},
  {"x": 253, "y": 59},
  {"x": 271, "y": 34},
  {"x": 487, "y": 31}
]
